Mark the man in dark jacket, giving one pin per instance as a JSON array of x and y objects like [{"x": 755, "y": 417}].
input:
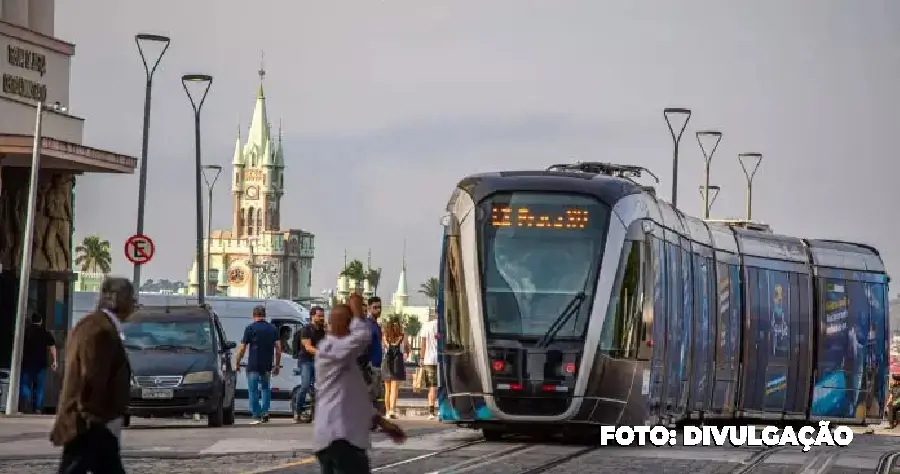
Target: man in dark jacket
[
  {"x": 96, "y": 386},
  {"x": 39, "y": 355}
]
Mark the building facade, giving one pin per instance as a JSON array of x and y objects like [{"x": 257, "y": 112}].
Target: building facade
[
  {"x": 257, "y": 257},
  {"x": 36, "y": 67}
]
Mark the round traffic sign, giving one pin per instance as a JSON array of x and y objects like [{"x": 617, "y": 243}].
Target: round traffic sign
[{"x": 139, "y": 249}]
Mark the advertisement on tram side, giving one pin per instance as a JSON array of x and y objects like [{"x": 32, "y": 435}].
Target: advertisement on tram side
[
  {"x": 774, "y": 301},
  {"x": 831, "y": 394}
]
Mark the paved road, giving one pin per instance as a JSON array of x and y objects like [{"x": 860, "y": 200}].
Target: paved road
[{"x": 185, "y": 446}]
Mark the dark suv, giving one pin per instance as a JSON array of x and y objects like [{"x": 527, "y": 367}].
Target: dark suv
[{"x": 181, "y": 364}]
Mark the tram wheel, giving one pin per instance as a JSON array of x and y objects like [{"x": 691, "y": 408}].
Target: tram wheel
[{"x": 492, "y": 434}]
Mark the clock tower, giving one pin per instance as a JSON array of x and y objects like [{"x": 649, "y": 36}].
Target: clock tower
[
  {"x": 258, "y": 181},
  {"x": 257, "y": 257}
]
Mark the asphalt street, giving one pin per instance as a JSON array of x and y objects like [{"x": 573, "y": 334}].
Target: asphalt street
[{"x": 188, "y": 446}]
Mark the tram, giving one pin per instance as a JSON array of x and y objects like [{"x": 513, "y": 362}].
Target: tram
[{"x": 573, "y": 296}]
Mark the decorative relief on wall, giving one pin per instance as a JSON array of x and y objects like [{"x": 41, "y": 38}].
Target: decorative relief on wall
[{"x": 52, "y": 220}]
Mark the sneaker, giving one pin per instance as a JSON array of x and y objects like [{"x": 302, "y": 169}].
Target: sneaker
[
  {"x": 255, "y": 421},
  {"x": 296, "y": 418},
  {"x": 431, "y": 416},
  {"x": 265, "y": 418}
]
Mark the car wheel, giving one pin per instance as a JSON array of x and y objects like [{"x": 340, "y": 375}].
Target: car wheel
[
  {"x": 215, "y": 419},
  {"x": 126, "y": 421}
]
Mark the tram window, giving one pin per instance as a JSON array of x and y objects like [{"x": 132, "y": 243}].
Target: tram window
[
  {"x": 457, "y": 324},
  {"x": 624, "y": 329}
]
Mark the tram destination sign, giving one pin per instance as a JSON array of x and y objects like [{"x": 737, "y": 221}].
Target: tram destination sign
[{"x": 28, "y": 60}]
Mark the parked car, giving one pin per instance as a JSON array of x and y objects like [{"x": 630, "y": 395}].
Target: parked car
[{"x": 181, "y": 364}]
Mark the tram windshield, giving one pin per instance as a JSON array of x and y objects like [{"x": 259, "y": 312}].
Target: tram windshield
[{"x": 538, "y": 251}]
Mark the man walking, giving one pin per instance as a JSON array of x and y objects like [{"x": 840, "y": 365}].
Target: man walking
[
  {"x": 39, "y": 353},
  {"x": 344, "y": 412},
  {"x": 428, "y": 343},
  {"x": 309, "y": 337},
  {"x": 96, "y": 383},
  {"x": 263, "y": 361}
]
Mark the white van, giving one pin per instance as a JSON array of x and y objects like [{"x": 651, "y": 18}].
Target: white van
[{"x": 234, "y": 314}]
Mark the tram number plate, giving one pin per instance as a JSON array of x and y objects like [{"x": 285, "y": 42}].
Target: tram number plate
[{"x": 157, "y": 393}]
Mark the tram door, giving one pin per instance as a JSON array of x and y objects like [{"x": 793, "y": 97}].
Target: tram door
[{"x": 658, "y": 341}]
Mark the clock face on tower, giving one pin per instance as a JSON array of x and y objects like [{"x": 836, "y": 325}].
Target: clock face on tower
[{"x": 252, "y": 192}]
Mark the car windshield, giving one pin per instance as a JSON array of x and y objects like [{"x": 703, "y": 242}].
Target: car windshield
[
  {"x": 193, "y": 336},
  {"x": 538, "y": 252}
]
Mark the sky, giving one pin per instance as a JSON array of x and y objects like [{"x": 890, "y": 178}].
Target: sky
[{"x": 387, "y": 104}]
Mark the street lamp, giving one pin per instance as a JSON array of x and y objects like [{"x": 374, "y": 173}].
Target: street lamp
[
  {"x": 197, "y": 105},
  {"x": 676, "y": 139},
  {"x": 210, "y": 184},
  {"x": 12, "y": 398},
  {"x": 707, "y": 202},
  {"x": 707, "y": 157},
  {"x": 744, "y": 158},
  {"x": 148, "y": 87}
]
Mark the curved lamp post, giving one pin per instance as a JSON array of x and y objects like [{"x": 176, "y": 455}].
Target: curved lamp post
[
  {"x": 210, "y": 185},
  {"x": 746, "y": 159},
  {"x": 707, "y": 201},
  {"x": 676, "y": 140},
  {"x": 707, "y": 157},
  {"x": 198, "y": 80},
  {"x": 141, "y": 40}
]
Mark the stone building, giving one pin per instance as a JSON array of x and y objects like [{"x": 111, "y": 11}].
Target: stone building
[
  {"x": 35, "y": 66},
  {"x": 257, "y": 257}
]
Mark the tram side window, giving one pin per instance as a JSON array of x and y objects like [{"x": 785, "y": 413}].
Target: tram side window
[
  {"x": 624, "y": 328},
  {"x": 457, "y": 324}
]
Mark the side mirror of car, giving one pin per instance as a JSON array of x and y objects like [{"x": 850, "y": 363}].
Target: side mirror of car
[{"x": 230, "y": 345}]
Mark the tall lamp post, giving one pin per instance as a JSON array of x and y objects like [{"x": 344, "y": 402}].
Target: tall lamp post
[
  {"x": 745, "y": 159},
  {"x": 12, "y": 398},
  {"x": 707, "y": 158},
  {"x": 147, "y": 39},
  {"x": 210, "y": 185},
  {"x": 200, "y": 80},
  {"x": 707, "y": 201},
  {"x": 668, "y": 113}
]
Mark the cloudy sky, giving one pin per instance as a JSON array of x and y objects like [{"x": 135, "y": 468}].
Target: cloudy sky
[{"x": 386, "y": 104}]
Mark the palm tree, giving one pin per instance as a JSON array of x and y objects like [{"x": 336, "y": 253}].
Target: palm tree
[
  {"x": 430, "y": 289},
  {"x": 373, "y": 276},
  {"x": 93, "y": 255},
  {"x": 355, "y": 271}
]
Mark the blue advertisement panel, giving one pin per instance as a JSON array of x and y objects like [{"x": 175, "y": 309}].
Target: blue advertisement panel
[
  {"x": 775, "y": 302},
  {"x": 833, "y": 395},
  {"x": 858, "y": 339},
  {"x": 700, "y": 363},
  {"x": 657, "y": 364},
  {"x": 878, "y": 346}
]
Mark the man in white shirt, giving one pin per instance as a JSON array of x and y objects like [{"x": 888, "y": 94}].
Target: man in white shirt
[
  {"x": 428, "y": 343},
  {"x": 344, "y": 411}
]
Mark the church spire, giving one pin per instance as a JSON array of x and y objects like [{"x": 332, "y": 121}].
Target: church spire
[
  {"x": 259, "y": 125},
  {"x": 401, "y": 298}
]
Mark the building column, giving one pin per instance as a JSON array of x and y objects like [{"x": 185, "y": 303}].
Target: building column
[
  {"x": 41, "y": 14},
  {"x": 16, "y": 12}
]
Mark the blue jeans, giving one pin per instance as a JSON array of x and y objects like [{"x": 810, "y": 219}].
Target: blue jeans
[
  {"x": 259, "y": 382},
  {"x": 307, "y": 372},
  {"x": 31, "y": 388}
]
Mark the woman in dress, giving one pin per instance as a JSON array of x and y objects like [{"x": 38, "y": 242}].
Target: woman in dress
[{"x": 393, "y": 369}]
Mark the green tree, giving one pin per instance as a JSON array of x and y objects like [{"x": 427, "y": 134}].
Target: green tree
[
  {"x": 373, "y": 276},
  {"x": 430, "y": 289},
  {"x": 410, "y": 323},
  {"x": 354, "y": 270},
  {"x": 93, "y": 255}
]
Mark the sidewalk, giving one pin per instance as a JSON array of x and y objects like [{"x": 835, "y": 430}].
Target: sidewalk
[{"x": 412, "y": 407}]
